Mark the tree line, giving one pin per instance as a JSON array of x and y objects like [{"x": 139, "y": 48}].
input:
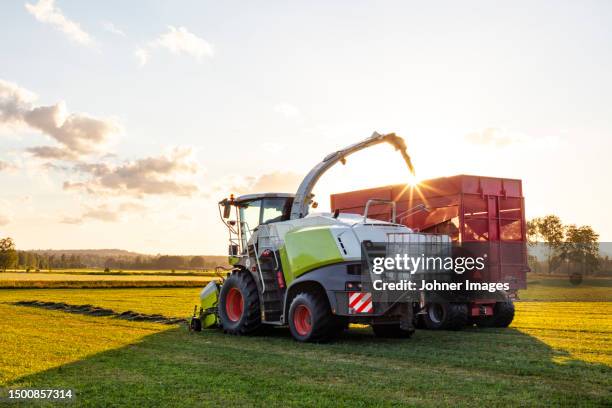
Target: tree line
[{"x": 11, "y": 258}]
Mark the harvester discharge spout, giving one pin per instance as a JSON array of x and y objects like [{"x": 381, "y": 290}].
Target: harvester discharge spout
[{"x": 304, "y": 195}]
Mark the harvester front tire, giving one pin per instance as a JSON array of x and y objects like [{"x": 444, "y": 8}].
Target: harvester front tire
[
  {"x": 239, "y": 311},
  {"x": 311, "y": 319},
  {"x": 391, "y": 331},
  {"x": 446, "y": 316},
  {"x": 503, "y": 315}
]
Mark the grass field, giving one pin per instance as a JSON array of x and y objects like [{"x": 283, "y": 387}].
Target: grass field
[
  {"x": 80, "y": 280},
  {"x": 555, "y": 353}
]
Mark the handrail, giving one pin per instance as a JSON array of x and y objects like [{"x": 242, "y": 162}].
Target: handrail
[{"x": 378, "y": 200}]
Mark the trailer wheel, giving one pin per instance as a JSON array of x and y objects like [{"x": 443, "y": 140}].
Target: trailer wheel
[
  {"x": 503, "y": 314},
  {"x": 391, "y": 331},
  {"x": 446, "y": 316},
  {"x": 239, "y": 311},
  {"x": 310, "y": 318}
]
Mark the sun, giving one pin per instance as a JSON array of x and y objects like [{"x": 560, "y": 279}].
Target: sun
[{"x": 412, "y": 180}]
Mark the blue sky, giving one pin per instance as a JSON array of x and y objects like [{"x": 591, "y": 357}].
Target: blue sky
[{"x": 253, "y": 95}]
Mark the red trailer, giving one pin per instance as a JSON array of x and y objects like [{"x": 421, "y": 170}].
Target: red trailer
[{"x": 471, "y": 209}]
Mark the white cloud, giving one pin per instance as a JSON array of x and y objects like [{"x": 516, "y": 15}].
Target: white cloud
[
  {"x": 5, "y": 213},
  {"x": 105, "y": 212},
  {"x": 177, "y": 41},
  {"x": 274, "y": 182},
  {"x": 110, "y": 27},
  {"x": 287, "y": 110},
  {"x": 77, "y": 133},
  {"x": 142, "y": 55},
  {"x": 52, "y": 152},
  {"x": 181, "y": 41},
  {"x": 174, "y": 173},
  {"x": 46, "y": 11},
  {"x": 6, "y": 166},
  {"x": 495, "y": 137}
]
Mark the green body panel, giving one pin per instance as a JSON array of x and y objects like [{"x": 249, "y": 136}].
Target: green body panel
[
  {"x": 306, "y": 249},
  {"x": 207, "y": 303},
  {"x": 233, "y": 260}
]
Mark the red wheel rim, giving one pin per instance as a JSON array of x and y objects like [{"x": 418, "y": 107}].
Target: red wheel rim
[
  {"x": 234, "y": 304},
  {"x": 302, "y": 320}
]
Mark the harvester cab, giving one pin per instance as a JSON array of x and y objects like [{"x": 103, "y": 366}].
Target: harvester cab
[{"x": 303, "y": 270}]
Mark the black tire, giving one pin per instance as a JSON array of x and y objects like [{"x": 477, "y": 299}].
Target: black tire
[
  {"x": 419, "y": 321},
  {"x": 250, "y": 318},
  {"x": 322, "y": 324},
  {"x": 391, "y": 331},
  {"x": 503, "y": 315},
  {"x": 446, "y": 316}
]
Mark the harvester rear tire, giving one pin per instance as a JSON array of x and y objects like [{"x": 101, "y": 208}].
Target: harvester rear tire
[
  {"x": 503, "y": 314},
  {"x": 391, "y": 331},
  {"x": 446, "y": 316},
  {"x": 249, "y": 318},
  {"x": 311, "y": 319}
]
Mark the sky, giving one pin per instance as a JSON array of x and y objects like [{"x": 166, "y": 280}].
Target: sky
[{"x": 122, "y": 124}]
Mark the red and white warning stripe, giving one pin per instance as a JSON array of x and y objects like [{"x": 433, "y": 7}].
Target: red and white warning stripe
[{"x": 360, "y": 302}]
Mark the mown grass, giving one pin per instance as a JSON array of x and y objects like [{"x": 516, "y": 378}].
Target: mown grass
[
  {"x": 104, "y": 284},
  {"x": 173, "y": 302},
  {"x": 35, "y": 276},
  {"x": 14, "y": 280},
  {"x": 555, "y": 353},
  {"x": 559, "y": 288},
  {"x": 139, "y": 272}
]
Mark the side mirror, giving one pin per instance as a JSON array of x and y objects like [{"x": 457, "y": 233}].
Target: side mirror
[
  {"x": 233, "y": 250},
  {"x": 227, "y": 208}
]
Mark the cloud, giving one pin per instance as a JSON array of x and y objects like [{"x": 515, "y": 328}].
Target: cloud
[
  {"x": 168, "y": 174},
  {"x": 78, "y": 133},
  {"x": 6, "y": 166},
  {"x": 110, "y": 27},
  {"x": 287, "y": 110},
  {"x": 495, "y": 137},
  {"x": 105, "y": 213},
  {"x": 51, "y": 152},
  {"x": 274, "y": 182},
  {"x": 46, "y": 12},
  {"x": 14, "y": 100},
  {"x": 177, "y": 41},
  {"x": 71, "y": 220},
  {"x": 5, "y": 213},
  {"x": 142, "y": 55}
]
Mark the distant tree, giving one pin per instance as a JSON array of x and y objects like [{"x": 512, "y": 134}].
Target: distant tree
[
  {"x": 8, "y": 253},
  {"x": 581, "y": 248},
  {"x": 197, "y": 262},
  {"x": 550, "y": 230}
]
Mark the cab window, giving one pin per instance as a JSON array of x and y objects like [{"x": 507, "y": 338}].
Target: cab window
[
  {"x": 275, "y": 210},
  {"x": 249, "y": 217}
]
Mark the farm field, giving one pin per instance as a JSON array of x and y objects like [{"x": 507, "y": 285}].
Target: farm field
[
  {"x": 36, "y": 276},
  {"x": 557, "y": 353},
  {"x": 9, "y": 280}
]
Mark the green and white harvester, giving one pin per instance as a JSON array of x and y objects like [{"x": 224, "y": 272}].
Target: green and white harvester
[{"x": 299, "y": 269}]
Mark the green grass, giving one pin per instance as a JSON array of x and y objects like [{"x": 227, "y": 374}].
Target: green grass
[
  {"x": 559, "y": 288},
  {"x": 15, "y": 280},
  {"x": 555, "y": 353},
  {"x": 174, "y": 302},
  {"x": 139, "y": 272}
]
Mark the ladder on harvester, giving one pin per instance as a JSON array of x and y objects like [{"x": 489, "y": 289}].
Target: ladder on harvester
[{"x": 271, "y": 275}]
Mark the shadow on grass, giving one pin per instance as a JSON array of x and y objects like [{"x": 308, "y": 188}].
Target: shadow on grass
[{"x": 176, "y": 368}]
